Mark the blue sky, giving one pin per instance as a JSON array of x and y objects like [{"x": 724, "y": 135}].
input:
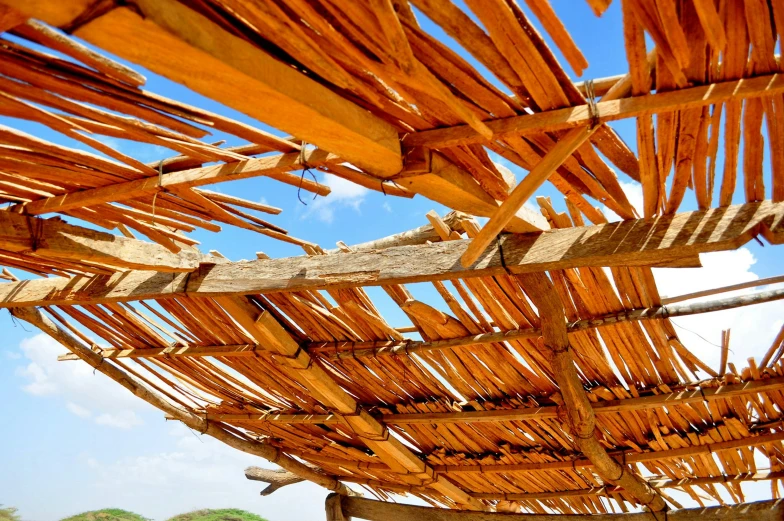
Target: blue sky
[{"x": 72, "y": 441}]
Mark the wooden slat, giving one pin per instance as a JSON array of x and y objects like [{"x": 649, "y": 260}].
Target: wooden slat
[{"x": 642, "y": 242}]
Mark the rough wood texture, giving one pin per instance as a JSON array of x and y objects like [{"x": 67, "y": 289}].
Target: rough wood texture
[
  {"x": 55, "y": 239},
  {"x": 629, "y": 243},
  {"x": 276, "y": 478},
  {"x": 579, "y": 412}
]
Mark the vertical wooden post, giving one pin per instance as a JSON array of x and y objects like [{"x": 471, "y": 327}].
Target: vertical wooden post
[{"x": 334, "y": 508}]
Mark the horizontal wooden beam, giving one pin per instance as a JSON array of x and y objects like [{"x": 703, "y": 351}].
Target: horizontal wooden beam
[
  {"x": 56, "y": 239},
  {"x": 170, "y": 39},
  {"x": 658, "y": 483},
  {"x": 562, "y": 119},
  {"x": 704, "y": 394},
  {"x": 372, "y": 510},
  {"x": 291, "y": 419},
  {"x": 244, "y": 350},
  {"x": 341, "y": 350},
  {"x": 270, "y": 166},
  {"x": 643, "y": 242},
  {"x": 627, "y": 456}
]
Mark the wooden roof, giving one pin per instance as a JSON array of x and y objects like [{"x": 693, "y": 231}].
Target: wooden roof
[{"x": 541, "y": 381}]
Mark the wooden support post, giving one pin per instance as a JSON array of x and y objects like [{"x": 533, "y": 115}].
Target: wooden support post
[
  {"x": 172, "y": 40},
  {"x": 382, "y": 511},
  {"x": 143, "y": 391},
  {"x": 582, "y": 421},
  {"x": 56, "y": 239},
  {"x": 267, "y": 331},
  {"x": 334, "y": 508}
]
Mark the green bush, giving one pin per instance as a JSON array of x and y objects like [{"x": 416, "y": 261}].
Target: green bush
[
  {"x": 223, "y": 514},
  {"x": 106, "y": 514},
  {"x": 8, "y": 514}
]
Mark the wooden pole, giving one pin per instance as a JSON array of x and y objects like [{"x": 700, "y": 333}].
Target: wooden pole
[
  {"x": 382, "y": 511},
  {"x": 141, "y": 390},
  {"x": 723, "y": 289},
  {"x": 642, "y": 242},
  {"x": 582, "y": 421}
]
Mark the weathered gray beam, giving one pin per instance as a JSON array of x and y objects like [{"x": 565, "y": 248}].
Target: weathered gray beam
[{"x": 642, "y": 242}]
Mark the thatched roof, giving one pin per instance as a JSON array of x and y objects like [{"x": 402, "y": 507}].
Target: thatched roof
[{"x": 489, "y": 399}]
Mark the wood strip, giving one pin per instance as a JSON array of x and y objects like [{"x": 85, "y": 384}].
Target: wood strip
[{"x": 724, "y": 289}]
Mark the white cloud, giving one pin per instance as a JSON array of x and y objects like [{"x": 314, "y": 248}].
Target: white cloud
[
  {"x": 633, "y": 191},
  {"x": 78, "y": 410},
  {"x": 753, "y": 328},
  {"x": 344, "y": 194},
  {"x": 119, "y": 420},
  {"x": 84, "y": 392},
  {"x": 13, "y": 355}
]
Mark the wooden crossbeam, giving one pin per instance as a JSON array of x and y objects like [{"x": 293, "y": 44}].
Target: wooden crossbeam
[
  {"x": 724, "y": 289},
  {"x": 658, "y": 483},
  {"x": 339, "y": 350},
  {"x": 643, "y": 242},
  {"x": 704, "y": 394},
  {"x": 628, "y": 456},
  {"x": 372, "y": 510},
  {"x": 266, "y": 330},
  {"x": 270, "y": 166},
  {"x": 56, "y": 239},
  {"x": 563, "y": 119},
  {"x": 172, "y": 40}
]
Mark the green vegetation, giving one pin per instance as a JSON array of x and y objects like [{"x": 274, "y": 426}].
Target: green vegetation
[
  {"x": 223, "y": 514},
  {"x": 8, "y": 514},
  {"x": 106, "y": 514}
]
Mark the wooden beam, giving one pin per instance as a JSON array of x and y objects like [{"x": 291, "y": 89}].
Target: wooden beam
[
  {"x": 373, "y": 510},
  {"x": 339, "y": 350},
  {"x": 563, "y": 119},
  {"x": 178, "y": 43},
  {"x": 658, "y": 483},
  {"x": 145, "y": 392},
  {"x": 642, "y": 242},
  {"x": 454, "y": 187},
  {"x": 724, "y": 289},
  {"x": 270, "y": 166},
  {"x": 629, "y": 456},
  {"x": 704, "y": 394},
  {"x": 266, "y": 330},
  {"x": 579, "y": 411},
  {"x": 242, "y": 350},
  {"x": 56, "y": 239},
  {"x": 291, "y": 419}
]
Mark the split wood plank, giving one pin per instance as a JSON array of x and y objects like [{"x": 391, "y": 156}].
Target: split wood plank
[
  {"x": 562, "y": 119},
  {"x": 372, "y": 510},
  {"x": 642, "y": 242},
  {"x": 172, "y": 40},
  {"x": 270, "y": 166},
  {"x": 56, "y": 239}
]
